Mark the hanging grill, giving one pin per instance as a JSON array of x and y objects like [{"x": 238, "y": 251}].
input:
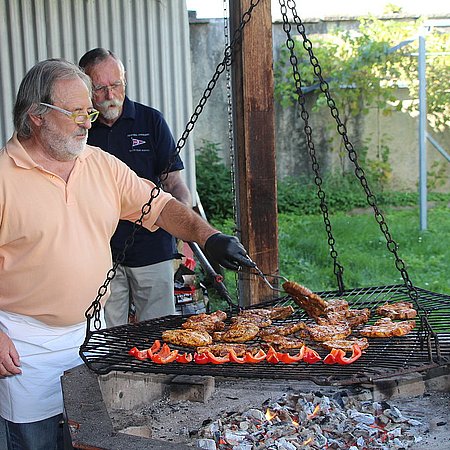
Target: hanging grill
[{"x": 426, "y": 347}]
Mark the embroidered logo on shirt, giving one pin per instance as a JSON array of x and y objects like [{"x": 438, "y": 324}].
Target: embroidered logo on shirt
[{"x": 135, "y": 142}]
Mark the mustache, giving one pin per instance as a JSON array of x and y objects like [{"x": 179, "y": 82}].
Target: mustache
[{"x": 108, "y": 103}]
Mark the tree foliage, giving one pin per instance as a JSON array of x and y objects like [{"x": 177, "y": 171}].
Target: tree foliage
[{"x": 364, "y": 69}]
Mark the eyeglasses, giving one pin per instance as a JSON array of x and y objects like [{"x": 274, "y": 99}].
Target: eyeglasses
[
  {"x": 105, "y": 89},
  {"x": 78, "y": 117}
]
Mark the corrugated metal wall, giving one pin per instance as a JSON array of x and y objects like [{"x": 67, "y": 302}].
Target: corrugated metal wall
[{"x": 150, "y": 36}]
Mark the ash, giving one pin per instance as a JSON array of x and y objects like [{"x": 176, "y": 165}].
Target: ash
[{"x": 281, "y": 415}]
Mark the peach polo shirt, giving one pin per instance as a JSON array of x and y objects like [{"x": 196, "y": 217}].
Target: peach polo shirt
[{"x": 54, "y": 237}]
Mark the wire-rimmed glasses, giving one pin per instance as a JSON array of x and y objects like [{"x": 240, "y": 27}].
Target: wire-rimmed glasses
[{"x": 112, "y": 87}]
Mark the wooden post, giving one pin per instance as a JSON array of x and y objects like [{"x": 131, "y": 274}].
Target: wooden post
[{"x": 254, "y": 125}]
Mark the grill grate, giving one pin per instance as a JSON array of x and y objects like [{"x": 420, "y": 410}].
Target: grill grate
[{"x": 428, "y": 346}]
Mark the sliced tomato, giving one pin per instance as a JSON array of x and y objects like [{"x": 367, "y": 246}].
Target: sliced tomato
[
  {"x": 311, "y": 356},
  {"x": 356, "y": 354},
  {"x": 235, "y": 358},
  {"x": 256, "y": 358},
  {"x": 158, "y": 358},
  {"x": 272, "y": 356},
  {"x": 184, "y": 358},
  {"x": 201, "y": 358},
  {"x": 139, "y": 354}
]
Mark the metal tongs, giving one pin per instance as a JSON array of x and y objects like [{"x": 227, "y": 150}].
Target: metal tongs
[{"x": 265, "y": 279}]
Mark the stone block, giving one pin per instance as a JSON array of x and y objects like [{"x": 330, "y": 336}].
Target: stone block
[
  {"x": 409, "y": 385},
  {"x": 130, "y": 390},
  {"x": 191, "y": 387}
]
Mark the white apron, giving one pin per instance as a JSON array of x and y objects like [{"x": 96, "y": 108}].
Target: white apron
[{"x": 45, "y": 352}]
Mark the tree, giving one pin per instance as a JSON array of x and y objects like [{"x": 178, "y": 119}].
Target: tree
[{"x": 365, "y": 68}]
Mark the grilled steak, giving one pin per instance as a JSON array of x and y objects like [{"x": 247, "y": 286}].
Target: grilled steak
[
  {"x": 281, "y": 312},
  {"x": 238, "y": 332},
  {"x": 386, "y": 328},
  {"x": 286, "y": 330},
  {"x": 345, "y": 344},
  {"x": 399, "y": 310},
  {"x": 187, "y": 338},
  {"x": 282, "y": 342},
  {"x": 322, "y": 333},
  {"x": 223, "y": 349},
  {"x": 256, "y": 319},
  {"x": 207, "y": 322},
  {"x": 352, "y": 317},
  {"x": 313, "y": 304}
]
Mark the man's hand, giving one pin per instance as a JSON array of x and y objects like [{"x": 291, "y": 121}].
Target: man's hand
[
  {"x": 227, "y": 251},
  {"x": 9, "y": 358}
]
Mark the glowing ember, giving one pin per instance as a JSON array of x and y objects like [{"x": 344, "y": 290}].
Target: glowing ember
[
  {"x": 314, "y": 414},
  {"x": 270, "y": 414}
]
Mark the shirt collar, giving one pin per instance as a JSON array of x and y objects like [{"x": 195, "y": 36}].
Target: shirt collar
[{"x": 21, "y": 158}]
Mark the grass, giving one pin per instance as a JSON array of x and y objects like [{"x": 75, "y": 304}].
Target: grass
[{"x": 362, "y": 250}]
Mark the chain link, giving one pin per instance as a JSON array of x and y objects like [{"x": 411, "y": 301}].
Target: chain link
[
  {"x": 342, "y": 130},
  {"x": 95, "y": 308}
]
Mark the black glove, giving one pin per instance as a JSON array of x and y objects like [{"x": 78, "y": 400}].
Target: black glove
[{"x": 227, "y": 251}]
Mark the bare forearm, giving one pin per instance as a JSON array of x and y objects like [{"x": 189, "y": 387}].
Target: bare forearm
[
  {"x": 174, "y": 184},
  {"x": 184, "y": 223}
]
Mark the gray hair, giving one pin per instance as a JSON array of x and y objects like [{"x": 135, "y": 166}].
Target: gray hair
[
  {"x": 37, "y": 86},
  {"x": 96, "y": 56}
]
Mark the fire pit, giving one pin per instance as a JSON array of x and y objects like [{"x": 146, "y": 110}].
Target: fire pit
[{"x": 222, "y": 413}]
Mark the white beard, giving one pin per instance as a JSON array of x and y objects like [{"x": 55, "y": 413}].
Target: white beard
[
  {"x": 60, "y": 147},
  {"x": 110, "y": 113}
]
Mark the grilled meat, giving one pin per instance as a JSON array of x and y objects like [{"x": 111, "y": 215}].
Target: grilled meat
[
  {"x": 345, "y": 344},
  {"x": 282, "y": 342},
  {"x": 399, "y": 310},
  {"x": 322, "y": 333},
  {"x": 207, "y": 322},
  {"x": 238, "y": 332},
  {"x": 313, "y": 304},
  {"x": 187, "y": 338},
  {"x": 336, "y": 305},
  {"x": 286, "y": 330},
  {"x": 281, "y": 312},
  {"x": 352, "y": 317},
  {"x": 223, "y": 349},
  {"x": 257, "y": 319},
  {"x": 384, "y": 327}
]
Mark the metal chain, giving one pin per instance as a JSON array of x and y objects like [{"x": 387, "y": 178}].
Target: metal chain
[
  {"x": 338, "y": 269},
  {"x": 95, "y": 308},
  {"x": 342, "y": 130}
]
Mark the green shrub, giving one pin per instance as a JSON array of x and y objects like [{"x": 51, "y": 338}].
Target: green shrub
[{"x": 214, "y": 184}]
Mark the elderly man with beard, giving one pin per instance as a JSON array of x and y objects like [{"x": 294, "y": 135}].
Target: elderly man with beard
[
  {"x": 60, "y": 202},
  {"x": 139, "y": 136}
]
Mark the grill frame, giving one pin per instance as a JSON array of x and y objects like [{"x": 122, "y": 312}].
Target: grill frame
[{"x": 427, "y": 347}]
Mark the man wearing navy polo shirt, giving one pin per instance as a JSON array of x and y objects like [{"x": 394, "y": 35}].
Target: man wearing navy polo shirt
[{"x": 140, "y": 137}]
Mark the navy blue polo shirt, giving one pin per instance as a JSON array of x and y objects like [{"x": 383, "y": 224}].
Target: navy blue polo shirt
[{"x": 142, "y": 139}]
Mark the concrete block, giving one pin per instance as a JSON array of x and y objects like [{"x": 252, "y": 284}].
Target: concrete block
[
  {"x": 130, "y": 390},
  {"x": 191, "y": 387},
  {"x": 409, "y": 385}
]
